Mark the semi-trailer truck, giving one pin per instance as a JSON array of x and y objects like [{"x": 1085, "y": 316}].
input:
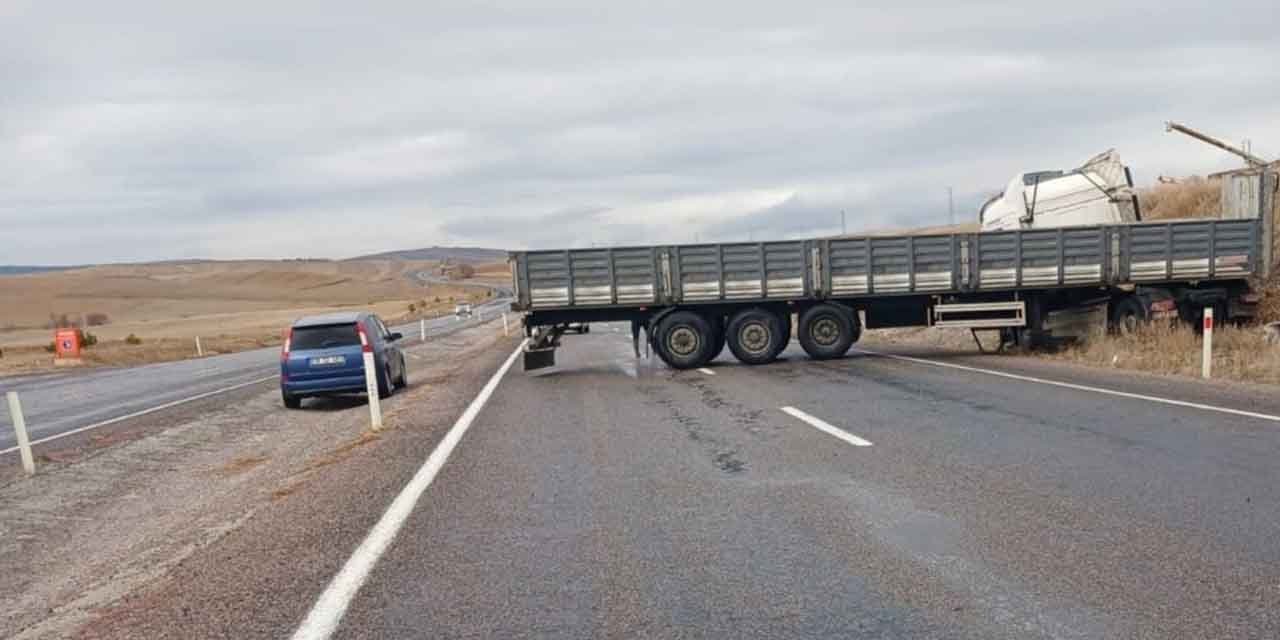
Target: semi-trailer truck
[{"x": 1031, "y": 285}]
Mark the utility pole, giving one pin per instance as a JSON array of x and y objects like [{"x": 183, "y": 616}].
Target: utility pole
[
  {"x": 844, "y": 230},
  {"x": 951, "y": 205}
]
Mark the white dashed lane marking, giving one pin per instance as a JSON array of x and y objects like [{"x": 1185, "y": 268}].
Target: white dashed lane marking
[{"x": 826, "y": 427}]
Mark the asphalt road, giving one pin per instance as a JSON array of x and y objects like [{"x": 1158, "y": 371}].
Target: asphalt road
[
  {"x": 611, "y": 498},
  {"x": 55, "y": 403}
]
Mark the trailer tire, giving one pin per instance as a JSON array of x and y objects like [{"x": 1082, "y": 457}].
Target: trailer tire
[
  {"x": 1219, "y": 317},
  {"x": 827, "y": 331},
  {"x": 717, "y": 345},
  {"x": 757, "y": 336},
  {"x": 1127, "y": 315},
  {"x": 784, "y": 317},
  {"x": 684, "y": 340}
]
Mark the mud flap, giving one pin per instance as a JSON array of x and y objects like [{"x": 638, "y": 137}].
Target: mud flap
[{"x": 539, "y": 358}]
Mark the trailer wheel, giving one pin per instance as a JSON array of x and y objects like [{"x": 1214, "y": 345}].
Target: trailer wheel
[
  {"x": 1127, "y": 315},
  {"x": 756, "y": 336},
  {"x": 827, "y": 331},
  {"x": 1219, "y": 317},
  {"x": 717, "y": 345},
  {"x": 784, "y": 317},
  {"x": 685, "y": 340}
]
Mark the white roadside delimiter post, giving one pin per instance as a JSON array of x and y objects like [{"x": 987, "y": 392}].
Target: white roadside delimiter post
[
  {"x": 20, "y": 430},
  {"x": 370, "y": 379},
  {"x": 1206, "y": 358}
]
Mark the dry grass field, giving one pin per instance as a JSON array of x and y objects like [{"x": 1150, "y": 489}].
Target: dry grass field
[
  {"x": 1191, "y": 198},
  {"x": 1239, "y": 353},
  {"x": 230, "y": 305}
]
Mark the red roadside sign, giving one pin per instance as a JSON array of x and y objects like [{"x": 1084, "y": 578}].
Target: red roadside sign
[{"x": 66, "y": 343}]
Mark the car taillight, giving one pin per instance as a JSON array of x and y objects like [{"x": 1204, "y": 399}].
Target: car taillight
[
  {"x": 288, "y": 342},
  {"x": 365, "y": 347}
]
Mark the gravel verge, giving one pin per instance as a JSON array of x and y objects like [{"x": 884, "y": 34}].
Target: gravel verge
[{"x": 229, "y": 521}]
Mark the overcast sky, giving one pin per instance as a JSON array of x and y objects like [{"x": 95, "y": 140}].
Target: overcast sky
[{"x": 137, "y": 131}]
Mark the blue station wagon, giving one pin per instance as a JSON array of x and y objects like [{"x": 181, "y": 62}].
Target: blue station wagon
[{"x": 322, "y": 355}]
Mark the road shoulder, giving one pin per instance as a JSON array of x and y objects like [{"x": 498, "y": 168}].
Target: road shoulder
[{"x": 163, "y": 536}]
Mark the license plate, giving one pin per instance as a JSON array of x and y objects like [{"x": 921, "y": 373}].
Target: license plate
[{"x": 328, "y": 360}]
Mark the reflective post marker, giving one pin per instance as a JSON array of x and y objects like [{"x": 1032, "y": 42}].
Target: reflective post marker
[
  {"x": 422, "y": 327},
  {"x": 199, "y": 349},
  {"x": 20, "y": 430},
  {"x": 1206, "y": 358},
  {"x": 505, "y": 331},
  {"x": 370, "y": 379}
]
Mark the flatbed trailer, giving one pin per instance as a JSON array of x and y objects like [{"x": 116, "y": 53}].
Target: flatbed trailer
[{"x": 690, "y": 300}]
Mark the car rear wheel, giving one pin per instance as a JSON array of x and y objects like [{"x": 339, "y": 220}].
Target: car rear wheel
[
  {"x": 384, "y": 383},
  {"x": 403, "y": 380},
  {"x": 291, "y": 401}
]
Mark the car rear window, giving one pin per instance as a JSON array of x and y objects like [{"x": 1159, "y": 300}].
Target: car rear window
[{"x": 324, "y": 337}]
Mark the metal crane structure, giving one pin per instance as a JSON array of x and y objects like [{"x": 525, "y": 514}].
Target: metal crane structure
[{"x": 1254, "y": 161}]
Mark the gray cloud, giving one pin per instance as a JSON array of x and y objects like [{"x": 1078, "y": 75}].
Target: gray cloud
[{"x": 285, "y": 129}]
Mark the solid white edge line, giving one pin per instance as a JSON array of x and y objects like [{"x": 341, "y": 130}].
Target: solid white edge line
[
  {"x": 707, "y": 371},
  {"x": 144, "y": 412},
  {"x": 825, "y": 427},
  {"x": 331, "y": 606},
  {"x": 1078, "y": 387}
]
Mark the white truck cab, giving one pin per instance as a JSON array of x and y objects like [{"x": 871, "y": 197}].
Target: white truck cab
[{"x": 1098, "y": 192}]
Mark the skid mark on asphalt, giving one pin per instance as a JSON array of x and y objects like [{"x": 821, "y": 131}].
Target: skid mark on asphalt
[
  {"x": 751, "y": 420},
  {"x": 722, "y": 454}
]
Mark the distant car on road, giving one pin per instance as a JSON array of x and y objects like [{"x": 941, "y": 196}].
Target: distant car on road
[
  {"x": 462, "y": 310},
  {"x": 322, "y": 355}
]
